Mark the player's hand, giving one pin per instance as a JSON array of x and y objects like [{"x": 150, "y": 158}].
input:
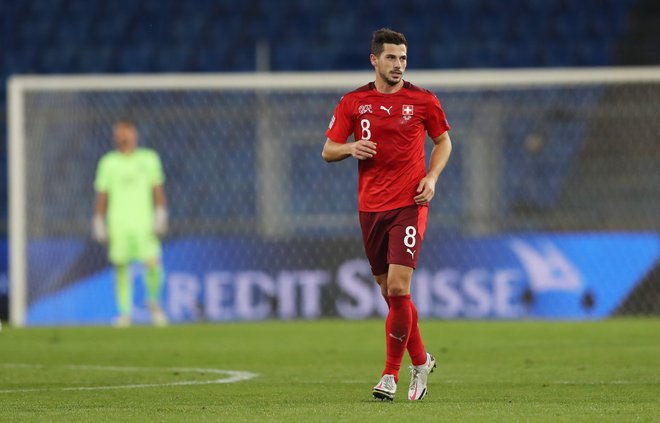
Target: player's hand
[
  {"x": 363, "y": 149},
  {"x": 425, "y": 191},
  {"x": 160, "y": 221},
  {"x": 99, "y": 231}
]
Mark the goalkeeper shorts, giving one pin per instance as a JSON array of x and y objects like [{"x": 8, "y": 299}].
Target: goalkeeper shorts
[{"x": 126, "y": 247}]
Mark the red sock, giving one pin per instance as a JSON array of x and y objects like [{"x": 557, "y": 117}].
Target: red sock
[
  {"x": 415, "y": 345},
  {"x": 397, "y": 331}
]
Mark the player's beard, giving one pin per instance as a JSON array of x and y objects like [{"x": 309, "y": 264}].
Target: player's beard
[{"x": 391, "y": 82}]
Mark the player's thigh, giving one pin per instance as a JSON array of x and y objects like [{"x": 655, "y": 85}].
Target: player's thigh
[
  {"x": 147, "y": 248},
  {"x": 406, "y": 233},
  {"x": 374, "y": 237},
  {"x": 119, "y": 248}
]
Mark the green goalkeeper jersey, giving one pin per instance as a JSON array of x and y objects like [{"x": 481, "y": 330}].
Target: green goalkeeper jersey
[{"x": 128, "y": 180}]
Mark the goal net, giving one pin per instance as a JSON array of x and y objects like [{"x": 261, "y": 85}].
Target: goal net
[{"x": 548, "y": 207}]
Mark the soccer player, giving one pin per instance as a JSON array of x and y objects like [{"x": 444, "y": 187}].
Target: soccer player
[
  {"x": 131, "y": 215},
  {"x": 389, "y": 118}
]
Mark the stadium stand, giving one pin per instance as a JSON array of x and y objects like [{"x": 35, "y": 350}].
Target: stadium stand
[{"x": 95, "y": 36}]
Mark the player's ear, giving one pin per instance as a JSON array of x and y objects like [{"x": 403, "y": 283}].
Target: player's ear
[{"x": 372, "y": 58}]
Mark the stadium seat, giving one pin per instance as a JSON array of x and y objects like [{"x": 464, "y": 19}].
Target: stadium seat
[
  {"x": 37, "y": 31},
  {"x": 173, "y": 58},
  {"x": 71, "y": 30},
  {"x": 60, "y": 60},
  {"x": 80, "y": 9},
  {"x": 593, "y": 53},
  {"x": 187, "y": 29},
  {"x": 45, "y": 7},
  {"x": 519, "y": 54},
  {"x": 92, "y": 36},
  {"x": 446, "y": 55},
  {"x": 135, "y": 59},
  {"x": 96, "y": 59},
  {"x": 211, "y": 56},
  {"x": 110, "y": 30}
]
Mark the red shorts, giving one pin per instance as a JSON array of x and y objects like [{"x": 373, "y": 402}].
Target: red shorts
[{"x": 393, "y": 236}]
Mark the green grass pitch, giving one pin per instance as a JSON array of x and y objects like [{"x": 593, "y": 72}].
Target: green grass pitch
[{"x": 607, "y": 371}]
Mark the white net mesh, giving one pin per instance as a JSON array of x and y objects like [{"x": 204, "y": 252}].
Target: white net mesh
[{"x": 261, "y": 227}]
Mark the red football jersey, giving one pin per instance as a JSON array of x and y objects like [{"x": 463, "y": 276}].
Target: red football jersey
[{"x": 398, "y": 124}]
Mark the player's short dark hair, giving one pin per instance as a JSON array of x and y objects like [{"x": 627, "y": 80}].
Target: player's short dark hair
[
  {"x": 386, "y": 36},
  {"x": 125, "y": 121}
]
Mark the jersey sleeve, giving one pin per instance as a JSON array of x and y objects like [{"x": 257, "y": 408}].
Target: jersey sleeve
[
  {"x": 101, "y": 181},
  {"x": 436, "y": 121},
  {"x": 341, "y": 124}
]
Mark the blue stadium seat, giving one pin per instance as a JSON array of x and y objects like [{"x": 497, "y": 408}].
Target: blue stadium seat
[
  {"x": 211, "y": 56},
  {"x": 96, "y": 59},
  {"x": 485, "y": 55},
  {"x": 542, "y": 8},
  {"x": 187, "y": 28},
  {"x": 70, "y": 31},
  {"x": 594, "y": 53},
  {"x": 519, "y": 54},
  {"x": 565, "y": 27},
  {"x": 23, "y": 60},
  {"x": 445, "y": 55},
  {"x": 220, "y": 35},
  {"x": 135, "y": 58},
  {"x": 46, "y": 7},
  {"x": 288, "y": 56},
  {"x": 113, "y": 29},
  {"x": 81, "y": 9},
  {"x": 60, "y": 60},
  {"x": 173, "y": 58},
  {"x": 36, "y": 31},
  {"x": 555, "y": 54}
]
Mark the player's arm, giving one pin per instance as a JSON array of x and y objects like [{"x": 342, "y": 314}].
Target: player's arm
[
  {"x": 335, "y": 151},
  {"x": 160, "y": 223},
  {"x": 439, "y": 157},
  {"x": 99, "y": 231},
  {"x": 159, "y": 196},
  {"x": 161, "y": 215}
]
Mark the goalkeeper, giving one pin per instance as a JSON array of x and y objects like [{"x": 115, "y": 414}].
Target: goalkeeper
[{"x": 131, "y": 215}]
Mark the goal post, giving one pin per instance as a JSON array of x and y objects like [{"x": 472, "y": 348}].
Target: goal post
[{"x": 538, "y": 168}]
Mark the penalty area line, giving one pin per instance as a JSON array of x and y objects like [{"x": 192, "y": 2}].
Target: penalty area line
[{"x": 229, "y": 376}]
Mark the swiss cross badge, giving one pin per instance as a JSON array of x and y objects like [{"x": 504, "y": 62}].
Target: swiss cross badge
[{"x": 407, "y": 111}]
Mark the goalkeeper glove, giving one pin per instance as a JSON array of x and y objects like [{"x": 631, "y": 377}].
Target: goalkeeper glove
[
  {"x": 160, "y": 221},
  {"x": 99, "y": 232}
]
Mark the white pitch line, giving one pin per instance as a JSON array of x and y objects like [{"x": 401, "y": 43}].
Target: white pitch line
[{"x": 233, "y": 376}]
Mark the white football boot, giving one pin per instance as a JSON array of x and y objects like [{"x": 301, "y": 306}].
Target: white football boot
[
  {"x": 122, "y": 321},
  {"x": 158, "y": 316},
  {"x": 385, "y": 389},
  {"x": 418, "y": 377}
]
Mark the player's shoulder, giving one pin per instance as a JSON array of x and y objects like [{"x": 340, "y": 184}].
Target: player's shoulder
[
  {"x": 147, "y": 152},
  {"x": 359, "y": 92},
  {"x": 109, "y": 157},
  {"x": 417, "y": 90}
]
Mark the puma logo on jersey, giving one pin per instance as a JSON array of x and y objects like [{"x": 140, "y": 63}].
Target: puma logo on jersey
[
  {"x": 387, "y": 109},
  {"x": 411, "y": 252},
  {"x": 398, "y": 338}
]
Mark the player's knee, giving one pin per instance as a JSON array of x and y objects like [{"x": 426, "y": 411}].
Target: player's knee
[
  {"x": 398, "y": 281},
  {"x": 152, "y": 263},
  {"x": 397, "y": 290}
]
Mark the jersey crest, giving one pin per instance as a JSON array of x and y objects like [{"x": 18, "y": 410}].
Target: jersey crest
[
  {"x": 407, "y": 111},
  {"x": 364, "y": 108}
]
